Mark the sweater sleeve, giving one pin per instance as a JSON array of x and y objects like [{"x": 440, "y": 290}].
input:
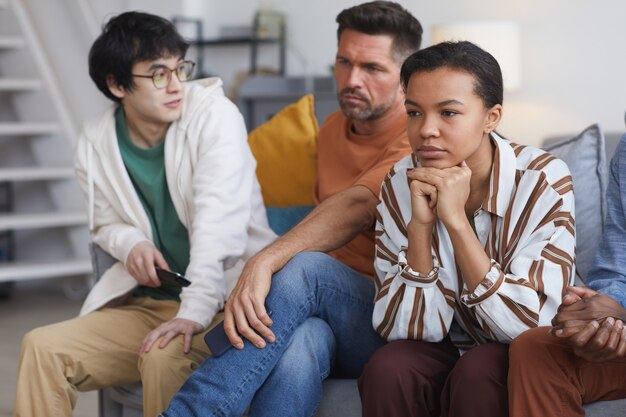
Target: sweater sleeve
[
  {"x": 222, "y": 187},
  {"x": 108, "y": 229},
  {"x": 408, "y": 304}
]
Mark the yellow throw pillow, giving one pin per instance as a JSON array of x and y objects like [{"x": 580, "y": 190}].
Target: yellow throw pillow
[{"x": 285, "y": 148}]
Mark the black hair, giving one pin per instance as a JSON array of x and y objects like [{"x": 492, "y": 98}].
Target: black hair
[
  {"x": 384, "y": 18},
  {"x": 129, "y": 38},
  {"x": 464, "y": 56}
]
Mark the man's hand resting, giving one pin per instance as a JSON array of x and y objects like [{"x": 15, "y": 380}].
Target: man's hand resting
[
  {"x": 168, "y": 331},
  {"x": 245, "y": 312},
  {"x": 591, "y": 323}
]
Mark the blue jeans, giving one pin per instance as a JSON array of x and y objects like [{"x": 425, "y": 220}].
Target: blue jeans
[
  {"x": 294, "y": 387},
  {"x": 310, "y": 285}
]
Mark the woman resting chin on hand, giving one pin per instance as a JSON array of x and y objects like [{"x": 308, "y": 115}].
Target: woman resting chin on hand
[{"x": 475, "y": 244}]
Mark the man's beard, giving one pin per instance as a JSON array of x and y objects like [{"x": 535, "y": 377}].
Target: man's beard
[{"x": 364, "y": 113}]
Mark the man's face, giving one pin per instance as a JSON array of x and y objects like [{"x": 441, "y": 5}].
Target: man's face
[
  {"x": 147, "y": 104},
  {"x": 367, "y": 76}
]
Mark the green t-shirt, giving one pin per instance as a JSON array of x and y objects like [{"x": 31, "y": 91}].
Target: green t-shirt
[{"x": 146, "y": 168}]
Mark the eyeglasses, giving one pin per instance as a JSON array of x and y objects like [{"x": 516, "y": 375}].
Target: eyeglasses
[{"x": 162, "y": 76}]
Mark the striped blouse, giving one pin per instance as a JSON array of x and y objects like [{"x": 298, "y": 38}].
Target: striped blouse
[{"x": 525, "y": 224}]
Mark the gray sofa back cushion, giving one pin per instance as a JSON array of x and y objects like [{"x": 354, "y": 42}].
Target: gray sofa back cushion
[{"x": 585, "y": 155}]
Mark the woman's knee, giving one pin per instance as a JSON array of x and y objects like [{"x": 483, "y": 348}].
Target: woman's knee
[
  {"x": 391, "y": 366},
  {"x": 483, "y": 364},
  {"x": 477, "y": 384}
]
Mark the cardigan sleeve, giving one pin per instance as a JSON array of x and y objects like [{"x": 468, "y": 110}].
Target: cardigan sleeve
[
  {"x": 223, "y": 181},
  {"x": 108, "y": 229}
]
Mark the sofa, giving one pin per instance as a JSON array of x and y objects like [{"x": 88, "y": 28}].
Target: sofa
[{"x": 291, "y": 134}]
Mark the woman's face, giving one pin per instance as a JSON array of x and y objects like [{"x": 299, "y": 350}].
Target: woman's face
[{"x": 448, "y": 123}]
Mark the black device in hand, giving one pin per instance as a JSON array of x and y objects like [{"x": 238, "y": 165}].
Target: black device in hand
[
  {"x": 217, "y": 341},
  {"x": 172, "y": 278}
]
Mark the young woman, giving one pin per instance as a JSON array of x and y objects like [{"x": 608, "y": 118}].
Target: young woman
[{"x": 475, "y": 244}]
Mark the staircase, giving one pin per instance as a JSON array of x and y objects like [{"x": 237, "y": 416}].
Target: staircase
[{"x": 43, "y": 232}]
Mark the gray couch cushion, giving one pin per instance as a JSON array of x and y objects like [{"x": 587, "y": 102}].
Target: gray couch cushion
[
  {"x": 586, "y": 158},
  {"x": 341, "y": 398}
]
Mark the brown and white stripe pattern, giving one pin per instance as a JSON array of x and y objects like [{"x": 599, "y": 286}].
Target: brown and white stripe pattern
[{"x": 526, "y": 225}]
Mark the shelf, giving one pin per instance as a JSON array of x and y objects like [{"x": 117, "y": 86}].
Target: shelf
[
  {"x": 43, "y": 220},
  {"x": 36, "y": 173},
  {"x": 11, "y": 42},
  {"x": 19, "y": 271},
  {"x": 269, "y": 25},
  {"x": 19, "y": 84},
  {"x": 27, "y": 128}
]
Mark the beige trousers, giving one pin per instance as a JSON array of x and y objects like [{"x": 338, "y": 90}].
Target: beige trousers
[{"x": 101, "y": 350}]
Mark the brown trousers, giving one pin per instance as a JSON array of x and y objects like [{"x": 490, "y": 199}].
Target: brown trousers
[
  {"x": 418, "y": 379},
  {"x": 101, "y": 350},
  {"x": 546, "y": 378}
]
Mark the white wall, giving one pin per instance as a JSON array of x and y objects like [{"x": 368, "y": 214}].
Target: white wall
[
  {"x": 573, "y": 60},
  {"x": 573, "y": 53}
]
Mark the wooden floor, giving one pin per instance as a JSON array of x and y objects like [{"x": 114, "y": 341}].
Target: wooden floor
[{"x": 32, "y": 305}]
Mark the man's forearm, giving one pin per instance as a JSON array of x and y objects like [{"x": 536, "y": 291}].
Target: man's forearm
[{"x": 329, "y": 226}]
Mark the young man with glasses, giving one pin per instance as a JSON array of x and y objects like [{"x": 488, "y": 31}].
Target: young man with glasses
[{"x": 170, "y": 183}]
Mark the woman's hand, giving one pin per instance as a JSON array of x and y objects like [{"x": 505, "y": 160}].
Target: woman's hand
[
  {"x": 452, "y": 189},
  {"x": 423, "y": 202},
  {"x": 141, "y": 262}
]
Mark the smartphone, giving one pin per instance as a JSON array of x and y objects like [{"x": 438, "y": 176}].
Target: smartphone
[
  {"x": 217, "y": 341},
  {"x": 172, "y": 278}
]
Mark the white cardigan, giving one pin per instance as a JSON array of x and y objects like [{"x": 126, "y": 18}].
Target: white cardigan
[{"x": 210, "y": 173}]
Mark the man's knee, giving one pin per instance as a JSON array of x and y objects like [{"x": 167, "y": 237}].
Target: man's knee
[
  {"x": 311, "y": 351},
  {"x": 531, "y": 347},
  {"x": 300, "y": 274},
  {"x": 305, "y": 262},
  {"x": 169, "y": 360},
  {"x": 38, "y": 340}
]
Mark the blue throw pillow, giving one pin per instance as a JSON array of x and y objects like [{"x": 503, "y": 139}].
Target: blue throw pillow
[
  {"x": 586, "y": 158},
  {"x": 282, "y": 219}
]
